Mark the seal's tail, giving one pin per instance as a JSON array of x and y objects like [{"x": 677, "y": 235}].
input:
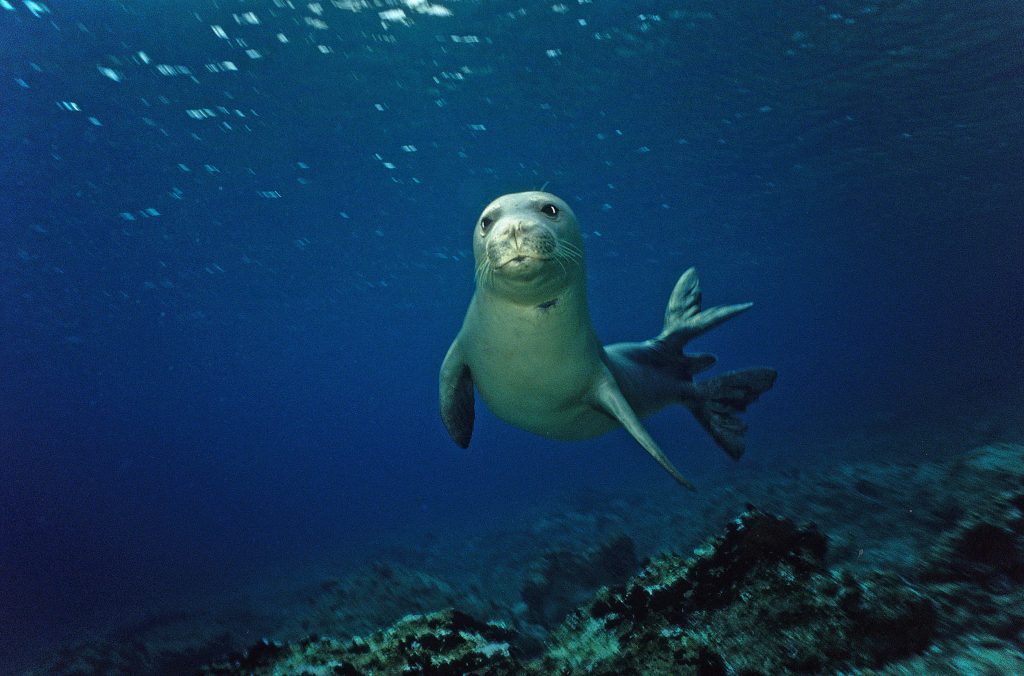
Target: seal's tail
[
  {"x": 684, "y": 320},
  {"x": 719, "y": 401},
  {"x": 716, "y": 402}
]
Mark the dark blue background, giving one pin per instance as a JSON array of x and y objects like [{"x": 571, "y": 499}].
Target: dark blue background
[{"x": 242, "y": 384}]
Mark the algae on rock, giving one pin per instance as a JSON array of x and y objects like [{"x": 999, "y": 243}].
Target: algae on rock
[{"x": 758, "y": 600}]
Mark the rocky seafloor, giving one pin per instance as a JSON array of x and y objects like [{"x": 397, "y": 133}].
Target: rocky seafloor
[{"x": 855, "y": 567}]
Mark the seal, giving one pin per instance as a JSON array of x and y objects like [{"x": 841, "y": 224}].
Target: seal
[{"x": 528, "y": 346}]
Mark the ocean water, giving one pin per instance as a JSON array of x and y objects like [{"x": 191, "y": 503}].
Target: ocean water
[{"x": 235, "y": 244}]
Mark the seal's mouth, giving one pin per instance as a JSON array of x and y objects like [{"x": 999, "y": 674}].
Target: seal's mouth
[{"x": 520, "y": 259}]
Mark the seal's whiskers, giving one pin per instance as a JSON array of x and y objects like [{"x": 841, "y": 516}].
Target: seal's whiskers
[
  {"x": 569, "y": 252},
  {"x": 485, "y": 271}
]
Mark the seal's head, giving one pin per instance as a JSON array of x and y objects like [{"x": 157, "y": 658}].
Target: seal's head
[{"x": 527, "y": 246}]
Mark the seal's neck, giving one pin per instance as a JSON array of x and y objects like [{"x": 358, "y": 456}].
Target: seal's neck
[
  {"x": 567, "y": 308},
  {"x": 543, "y": 292}
]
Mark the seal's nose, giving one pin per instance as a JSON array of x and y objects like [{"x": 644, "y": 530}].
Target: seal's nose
[
  {"x": 512, "y": 231},
  {"x": 520, "y": 228},
  {"x": 516, "y": 233}
]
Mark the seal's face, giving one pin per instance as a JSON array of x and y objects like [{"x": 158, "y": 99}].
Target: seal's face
[{"x": 527, "y": 242}]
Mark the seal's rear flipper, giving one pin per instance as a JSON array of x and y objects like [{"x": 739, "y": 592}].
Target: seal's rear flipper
[
  {"x": 608, "y": 397},
  {"x": 720, "y": 400},
  {"x": 456, "y": 395},
  {"x": 684, "y": 319}
]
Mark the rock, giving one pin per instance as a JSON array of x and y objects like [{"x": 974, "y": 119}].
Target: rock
[
  {"x": 442, "y": 643},
  {"x": 756, "y": 600},
  {"x": 985, "y": 546},
  {"x": 565, "y": 579},
  {"x": 887, "y": 620},
  {"x": 767, "y": 596},
  {"x": 975, "y": 569}
]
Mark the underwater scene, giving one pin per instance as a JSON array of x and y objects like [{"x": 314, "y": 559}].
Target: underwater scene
[{"x": 512, "y": 337}]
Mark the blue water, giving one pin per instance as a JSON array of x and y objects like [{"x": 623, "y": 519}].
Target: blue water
[{"x": 234, "y": 248}]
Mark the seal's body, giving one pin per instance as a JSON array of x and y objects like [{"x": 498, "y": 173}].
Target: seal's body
[{"x": 528, "y": 346}]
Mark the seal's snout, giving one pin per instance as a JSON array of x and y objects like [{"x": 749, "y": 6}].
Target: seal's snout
[
  {"x": 516, "y": 230},
  {"x": 519, "y": 240}
]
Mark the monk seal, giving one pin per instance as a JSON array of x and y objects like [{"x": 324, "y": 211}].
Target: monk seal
[{"x": 528, "y": 346}]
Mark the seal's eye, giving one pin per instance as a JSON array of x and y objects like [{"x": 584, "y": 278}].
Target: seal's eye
[
  {"x": 485, "y": 224},
  {"x": 549, "y": 210}
]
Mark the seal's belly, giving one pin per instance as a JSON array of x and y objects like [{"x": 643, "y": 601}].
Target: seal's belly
[
  {"x": 542, "y": 390},
  {"x": 565, "y": 419},
  {"x": 536, "y": 367}
]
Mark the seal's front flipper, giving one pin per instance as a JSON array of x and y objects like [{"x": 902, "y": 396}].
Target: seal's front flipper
[
  {"x": 456, "y": 394},
  {"x": 684, "y": 320},
  {"x": 720, "y": 400},
  {"x": 608, "y": 397}
]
